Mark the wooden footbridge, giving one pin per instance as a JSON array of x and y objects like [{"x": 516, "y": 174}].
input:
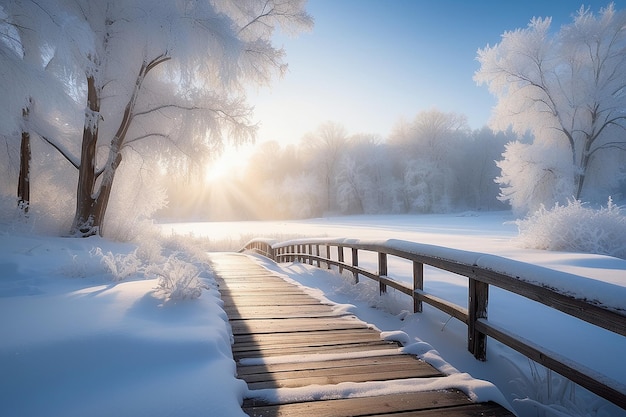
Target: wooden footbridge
[{"x": 315, "y": 347}]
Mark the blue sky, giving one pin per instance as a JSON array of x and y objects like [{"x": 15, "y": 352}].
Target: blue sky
[{"x": 368, "y": 63}]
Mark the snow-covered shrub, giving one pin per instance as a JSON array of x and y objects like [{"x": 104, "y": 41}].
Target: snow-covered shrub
[
  {"x": 149, "y": 245},
  {"x": 83, "y": 267},
  {"x": 178, "y": 279},
  {"x": 576, "y": 228},
  {"x": 120, "y": 265}
]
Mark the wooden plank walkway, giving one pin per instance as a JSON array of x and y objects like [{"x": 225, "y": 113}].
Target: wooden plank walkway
[{"x": 272, "y": 317}]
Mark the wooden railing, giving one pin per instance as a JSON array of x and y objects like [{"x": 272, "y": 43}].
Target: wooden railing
[{"x": 480, "y": 270}]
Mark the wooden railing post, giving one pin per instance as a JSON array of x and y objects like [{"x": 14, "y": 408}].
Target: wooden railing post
[
  {"x": 418, "y": 284},
  {"x": 355, "y": 263},
  {"x": 382, "y": 270},
  {"x": 477, "y": 309},
  {"x": 340, "y": 257},
  {"x": 328, "y": 256},
  {"x": 317, "y": 252}
]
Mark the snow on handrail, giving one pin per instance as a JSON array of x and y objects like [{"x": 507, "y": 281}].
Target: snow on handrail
[{"x": 556, "y": 289}]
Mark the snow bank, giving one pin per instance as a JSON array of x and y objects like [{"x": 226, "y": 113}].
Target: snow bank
[{"x": 76, "y": 342}]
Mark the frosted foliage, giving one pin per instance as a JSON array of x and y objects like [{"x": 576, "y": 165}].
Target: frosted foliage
[
  {"x": 564, "y": 87},
  {"x": 364, "y": 176},
  {"x": 547, "y": 393},
  {"x": 136, "y": 200},
  {"x": 354, "y": 188},
  {"x": 417, "y": 189},
  {"x": 301, "y": 196},
  {"x": 171, "y": 74},
  {"x": 441, "y": 166},
  {"x": 534, "y": 174},
  {"x": 121, "y": 266},
  {"x": 177, "y": 279},
  {"x": 576, "y": 228}
]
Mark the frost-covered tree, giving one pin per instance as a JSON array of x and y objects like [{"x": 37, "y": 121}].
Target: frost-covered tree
[
  {"x": 364, "y": 176},
  {"x": 476, "y": 168},
  {"x": 427, "y": 150},
  {"x": 187, "y": 61},
  {"x": 161, "y": 80},
  {"x": 566, "y": 87},
  {"x": 300, "y": 196},
  {"x": 30, "y": 91},
  {"x": 326, "y": 146},
  {"x": 534, "y": 175}
]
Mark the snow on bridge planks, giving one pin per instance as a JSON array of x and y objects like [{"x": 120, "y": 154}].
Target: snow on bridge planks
[{"x": 272, "y": 317}]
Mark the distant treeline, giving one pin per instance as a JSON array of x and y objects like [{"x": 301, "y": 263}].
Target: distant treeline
[{"x": 433, "y": 164}]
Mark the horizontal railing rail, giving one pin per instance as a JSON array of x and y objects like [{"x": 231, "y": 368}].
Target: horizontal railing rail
[{"x": 482, "y": 271}]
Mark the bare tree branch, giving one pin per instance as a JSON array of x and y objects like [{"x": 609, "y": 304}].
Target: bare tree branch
[{"x": 62, "y": 151}]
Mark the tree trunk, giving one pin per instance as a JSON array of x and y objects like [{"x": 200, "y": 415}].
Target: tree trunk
[
  {"x": 23, "y": 183},
  {"x": 85, "y": 221},
  {"x": 91, "y": 205},
  {"x": 584, "y": 167},
  {"x": 92, "y": 201}
]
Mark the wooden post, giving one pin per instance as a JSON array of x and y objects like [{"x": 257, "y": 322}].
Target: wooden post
[
  {"x": 317, "y": 252},
  {"x": 418, "y": 284},
  {"x": 328, "y": 256},
  {"x": 340, "y": 257},
  {"x": 382, "y": 270},
  {"x": 355, "y": 263},
  {"x": 477, "y": 306}
]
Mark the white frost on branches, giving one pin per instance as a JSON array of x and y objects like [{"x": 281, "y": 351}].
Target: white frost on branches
[
  {"x": 576, "y": 227},
  {"x": 567, "y": 89},
  {"x": 178, "y": 278}
]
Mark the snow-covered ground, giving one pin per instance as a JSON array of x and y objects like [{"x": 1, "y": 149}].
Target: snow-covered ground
[
  {"x": 76, "y": 339},
  {"x": 490, "y": 233}
]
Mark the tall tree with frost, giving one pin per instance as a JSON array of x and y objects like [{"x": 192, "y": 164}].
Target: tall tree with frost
[
  {"x": 327, "y": 144},
  {"x": 12, "y": 56},
  {"x": 164, "y": 80},
  {"x": 184, "y": 63},
  {"x": 564, "y": 87},
  {"x": 30, "y": 90},
  {"x": 426, "y": 148}
]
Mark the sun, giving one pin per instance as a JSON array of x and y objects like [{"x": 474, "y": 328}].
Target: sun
[
  {"x": 217, "y": 170},
  {"x": 228, "y": 165}
]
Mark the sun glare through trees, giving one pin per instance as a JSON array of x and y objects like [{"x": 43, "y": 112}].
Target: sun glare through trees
[
  {"x": 184, "y": 91},
  {"x": 229, "y": 164}
]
